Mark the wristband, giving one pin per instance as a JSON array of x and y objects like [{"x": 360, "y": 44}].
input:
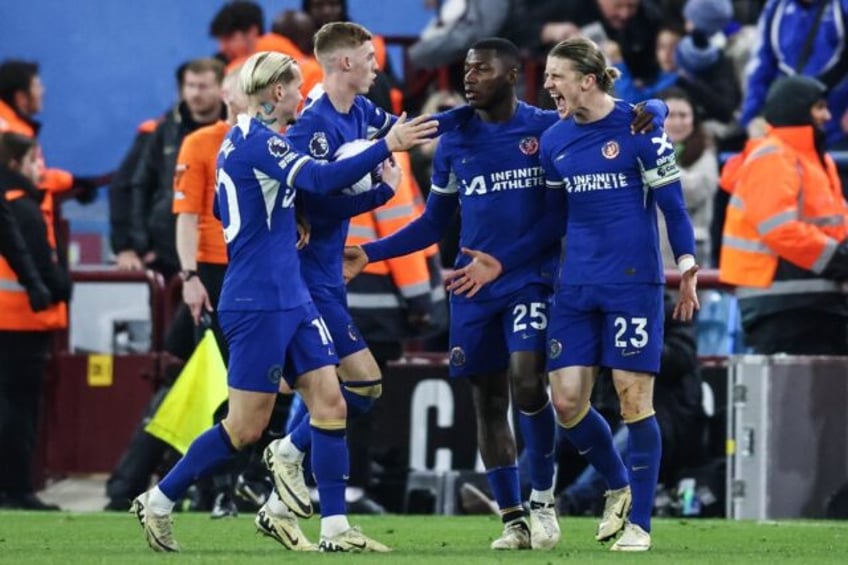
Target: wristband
[
  {"x": 685, "y": 263},
  {"x": 187, "y": 275}
]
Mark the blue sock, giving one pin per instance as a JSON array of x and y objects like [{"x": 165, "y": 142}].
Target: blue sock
[
  {"x": 358, "y": 404},
  {"x": 644, "y": 450},
  {"x": 330, "y": 466},
  {"x": 538, "y": 431},
  {"x": 593, "y": 439},
  {"x": 209, "y": 450},
  {"x": 504, "y": 484},
  {"x": 301, "y": 435},
  {"x": 297, "y": 413}
]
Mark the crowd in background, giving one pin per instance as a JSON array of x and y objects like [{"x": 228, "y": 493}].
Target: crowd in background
[{"x": 712, "y": 61}]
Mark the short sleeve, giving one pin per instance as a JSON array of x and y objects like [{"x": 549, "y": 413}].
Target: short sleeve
[{"x": 190, "y": 177}]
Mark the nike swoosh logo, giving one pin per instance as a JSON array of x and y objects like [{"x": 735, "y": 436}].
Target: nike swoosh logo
[
  {"x": 142, "y": 517},
  {"x": 560, "y": 157},
  {"x": 584, "y": 452},
  {"x": 266, "y": 523},
  {"x": 360, "y": 545},
  {"x": 304, "y": 508},
  {"x": 293, "y": 541}
]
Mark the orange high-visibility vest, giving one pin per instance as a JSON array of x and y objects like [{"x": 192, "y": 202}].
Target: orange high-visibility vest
[
  {"x": 15, "y": 311},
  {"x": 52, "y": 180},
  {"x": 309, "y": 67},
  {"x": 785, "y": 204},
  {"x": 409, "y": 273}
]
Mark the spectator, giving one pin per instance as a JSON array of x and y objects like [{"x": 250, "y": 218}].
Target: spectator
[
  {"x": 785, "y": 241},
  {"x": 239, "y": 28},
  {"x": 21, "y": 98},
  {"x": 632, "y": 24},
  {"x": 698, "y": 165},
  {"x": 628, "y": 88},
  {"x": 14, "y": 250},
  {"x": 708, "y": 16},
  {"x": 707, "y": 76},
  {"x": 297, "y": 26},
  {"x": 152, "y": 184},
  {"x": 120, "y": 191},
  {"x": 25, "y": 334},
  {"x": 120, "y": 202},
  {"x": 804, "y": 37},
  {"x": 456, "y": 26}
]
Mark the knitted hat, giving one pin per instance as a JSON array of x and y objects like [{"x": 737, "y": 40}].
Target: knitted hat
[
  {"x": 695, "y": 53},
  {"x": 709, "y": 16},
  {"x": 789, "y": 100}
]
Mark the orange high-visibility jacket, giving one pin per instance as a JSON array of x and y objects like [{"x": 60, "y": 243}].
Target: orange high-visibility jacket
[
  {"x": 15, "y": 311},
  {"x": 786, "y": 205},
  {"x": 52, "y": 180},
  {"x": 385, "y": 286},
  {"x": 409, "y": 272},
  {"x": 309, "y": 67}
]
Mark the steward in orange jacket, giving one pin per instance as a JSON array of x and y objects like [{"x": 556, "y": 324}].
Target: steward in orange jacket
[
  {"x": 21, "y": 95},
  {"x": 26, "y": 325},
  {"x": 24, "y": 200},
  {"x": 400, "y": 298},
  {"x": 785, "y": 242}
]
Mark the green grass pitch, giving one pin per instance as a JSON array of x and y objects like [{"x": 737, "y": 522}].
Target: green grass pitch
[{"x": 68, "y": 539}]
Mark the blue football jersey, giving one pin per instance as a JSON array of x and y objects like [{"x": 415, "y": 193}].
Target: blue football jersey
[
  {"x": 493, "y": 170},
  {"x": 613, "y": 181},
  {"x": 319, "y": 132},
  {"x": 257, "y": 174}
]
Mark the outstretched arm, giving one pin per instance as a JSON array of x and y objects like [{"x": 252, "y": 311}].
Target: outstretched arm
[{"x": 425, "y": 230}]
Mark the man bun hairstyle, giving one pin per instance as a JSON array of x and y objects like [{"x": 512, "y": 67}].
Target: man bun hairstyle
[{"x": 588, "y": 60}]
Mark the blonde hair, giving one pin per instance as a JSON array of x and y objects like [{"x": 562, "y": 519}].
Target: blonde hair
[
  {"x": 265, "y": 68},
  {"x": 339, "y": 35},
  {"x": 588, "y": 60}
]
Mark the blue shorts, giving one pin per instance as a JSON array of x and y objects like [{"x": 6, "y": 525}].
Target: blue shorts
[
  {"x": 615, "y": 325},
  {"x": 268, "y": 346},
  {"x": 332, "y": 305},
  {"x": 483, "y": 334}
]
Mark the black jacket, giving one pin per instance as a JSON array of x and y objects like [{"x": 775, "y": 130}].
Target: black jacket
[
  {"x": 14, "y": 249},
  {"x": 33, "y": 231},
  {"x": 637, "y": 40},
  {"x": 152, "y": 220},
  {"x": 120, "y": 194}
]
